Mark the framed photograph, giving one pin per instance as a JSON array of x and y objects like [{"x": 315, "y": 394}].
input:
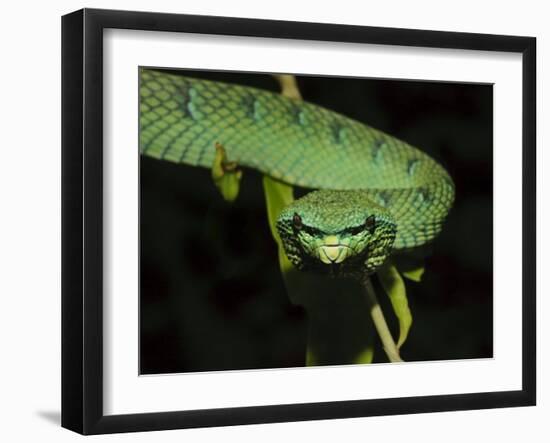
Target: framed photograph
[{"x": 270, "y": 221}]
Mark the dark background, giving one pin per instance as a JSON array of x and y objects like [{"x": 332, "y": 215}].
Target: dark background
[{"x": 212, "y": 297}]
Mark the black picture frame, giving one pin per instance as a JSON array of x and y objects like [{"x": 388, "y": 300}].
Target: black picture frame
[{"x": 82, "y": 220}]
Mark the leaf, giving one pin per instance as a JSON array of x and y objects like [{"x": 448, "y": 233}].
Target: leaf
[
  {"x": 310, "y": 358},
  {"x": 411, "y": 265},
  {"x": 278, "y": 195},
  {"x": 226, "y": 175},
  {"x": 365, "y": 357},
  {"x": 414, "y": 274},
  {"x": 395, "y": 288}
]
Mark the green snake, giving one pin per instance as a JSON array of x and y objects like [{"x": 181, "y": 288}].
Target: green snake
[{"x": 372, "y": 194}]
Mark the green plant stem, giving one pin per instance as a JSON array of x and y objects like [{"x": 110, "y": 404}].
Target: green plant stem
[
  {"x": 289, "y": 86},
  {"x": 278, "y": 196},
  {"x": 391, "y": 349}
]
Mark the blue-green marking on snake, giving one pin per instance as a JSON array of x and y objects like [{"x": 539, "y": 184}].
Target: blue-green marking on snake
[{"x": 373, "y": 194}]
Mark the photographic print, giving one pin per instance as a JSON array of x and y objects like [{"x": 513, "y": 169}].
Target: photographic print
[
  {"x": 290, "y": 220},
  {"x": 269, "y": 221}
]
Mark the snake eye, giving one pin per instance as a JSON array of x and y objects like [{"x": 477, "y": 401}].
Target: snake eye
[
  {"x": 297, "y": 220},
  {"x": 370, "y": 224}
]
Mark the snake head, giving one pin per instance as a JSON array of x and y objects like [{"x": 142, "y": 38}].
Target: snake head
[{"x": 340, "y": 233}]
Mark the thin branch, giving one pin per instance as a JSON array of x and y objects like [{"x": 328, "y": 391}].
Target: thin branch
[
  {"x": 391, "y": 349},
  {"x": 289, "y": 86}
]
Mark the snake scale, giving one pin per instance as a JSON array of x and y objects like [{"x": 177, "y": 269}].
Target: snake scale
[{"x": 373, "y": 195}]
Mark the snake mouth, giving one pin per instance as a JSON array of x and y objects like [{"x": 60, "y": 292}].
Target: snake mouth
[{"x": 333, "y": 254}]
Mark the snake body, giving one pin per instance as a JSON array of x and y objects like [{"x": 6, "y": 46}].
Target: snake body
[{"x": 375, "y": 194}]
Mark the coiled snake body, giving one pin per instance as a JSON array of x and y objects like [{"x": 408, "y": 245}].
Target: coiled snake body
[{"x": 374, "y": 194}]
